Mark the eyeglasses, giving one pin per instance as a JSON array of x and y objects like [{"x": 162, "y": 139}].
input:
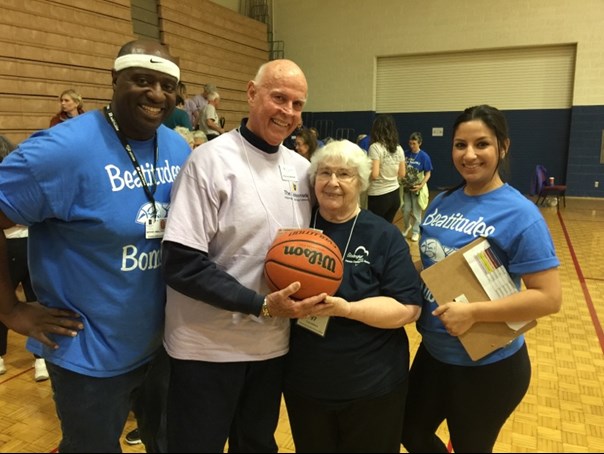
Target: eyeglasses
[{"x": 341, "y": 174}]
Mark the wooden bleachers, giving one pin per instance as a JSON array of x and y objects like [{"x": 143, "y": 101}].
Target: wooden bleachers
[{"x": 47, "y": 46}]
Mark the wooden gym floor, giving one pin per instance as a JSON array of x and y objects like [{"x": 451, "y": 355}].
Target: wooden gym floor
[{"x": 562, "y": 412}]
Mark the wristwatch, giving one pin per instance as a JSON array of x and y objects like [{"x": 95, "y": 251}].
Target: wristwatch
[{"x": 265, "y": 312}]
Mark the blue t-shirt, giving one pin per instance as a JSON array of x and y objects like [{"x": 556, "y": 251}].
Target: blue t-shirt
[
  {"x": 364, "y": 143},
  {"x": 77, "y": 190},
  {"x": 518, "y": 234},
  {"x": 417, "y": 164}
]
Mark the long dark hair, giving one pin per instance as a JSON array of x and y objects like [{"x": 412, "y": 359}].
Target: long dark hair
[
  {"x": 494, "y": 119},
  {"x": 385, "y": 132}
]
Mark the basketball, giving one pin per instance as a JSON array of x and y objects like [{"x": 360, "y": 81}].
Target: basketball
[{"x": 306, "y": 256}]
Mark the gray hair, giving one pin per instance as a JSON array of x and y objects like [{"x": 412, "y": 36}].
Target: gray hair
[
  {"x": 213, "y": 95},
  {"x": 345, "y": 153}
]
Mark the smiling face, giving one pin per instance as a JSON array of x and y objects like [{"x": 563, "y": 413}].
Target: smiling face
[
  {"x": 337, "y": 189},
  {"x": 476, "y": 156},
  {"x": 276, "y": 99},
  {"x": 142, "y": 98}
]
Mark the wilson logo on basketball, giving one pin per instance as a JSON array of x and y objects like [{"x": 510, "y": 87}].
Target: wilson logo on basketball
[
  {"x": 314, "y": 257},
  {"x": 306, "y": 256}
]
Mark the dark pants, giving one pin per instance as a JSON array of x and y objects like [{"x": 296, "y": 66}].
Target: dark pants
[
  {"x": 475, "y": 401},
  {"x": 209, "y": 403},
  {"x": 16, "y": 250},
  {"x": 360, "y": 425},
  {"x": 93, "y": 411},
  {"x": 385, "y": 205}
]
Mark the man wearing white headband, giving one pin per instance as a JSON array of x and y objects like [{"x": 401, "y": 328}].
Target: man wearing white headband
[
  {"x": 98, "y": 192},
  {"x": 152, "y": 62}
]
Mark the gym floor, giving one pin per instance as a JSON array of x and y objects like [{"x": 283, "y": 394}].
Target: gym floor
[{"x": 563, "y": 410}]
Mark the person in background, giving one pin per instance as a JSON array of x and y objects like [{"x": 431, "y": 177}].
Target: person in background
[
  {"x": 306, "y": 143},
  {"x": 415, "y": 188},
  {"x": 387, "y": 168},
  {"x": 315, "y": 132},
  {"x": 179, "y": 116},
  {"x": 346, "y": 384},
  {"x": 95, "y": 224},
  {"x": 199, "y": 138},
  {"x": 186, "y": 134},
  {"x": 16, "y": 248},
  {"x": 181, "y": 90},
  {"x": 71, "y": 106},
  {"x": 195, "y": 104},
  {"x": 290, "y": 141},
  {"x": 477, "y": 397},
  {"x": 209, "y": 121},
  {"x": 363, "y": 141},
  {"x": 227, "y": 335}
]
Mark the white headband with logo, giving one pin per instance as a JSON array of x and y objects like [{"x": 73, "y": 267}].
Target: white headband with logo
[{"x": 152, "y": 62}]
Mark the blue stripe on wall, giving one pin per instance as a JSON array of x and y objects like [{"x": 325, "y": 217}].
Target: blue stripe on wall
[{"x": 537, "y": 137}]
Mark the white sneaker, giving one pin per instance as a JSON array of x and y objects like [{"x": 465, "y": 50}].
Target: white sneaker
[
  {"x": 407, "y": 231},
  {"x": 415, "y": 237},
  {"x": 2, "y": 367},
  {"x": 40, "y": 372}
]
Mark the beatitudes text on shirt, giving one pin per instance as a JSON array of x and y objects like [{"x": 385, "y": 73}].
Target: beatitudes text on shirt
[
  {"x": 459, "y": 223},
  {"x": 119, "y": 179}
]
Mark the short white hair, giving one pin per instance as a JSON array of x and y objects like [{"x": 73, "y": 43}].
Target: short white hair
[{"x": 348, "y": 154}]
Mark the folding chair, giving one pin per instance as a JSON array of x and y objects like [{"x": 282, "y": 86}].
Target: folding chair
[{"x": 544, "y": 189}]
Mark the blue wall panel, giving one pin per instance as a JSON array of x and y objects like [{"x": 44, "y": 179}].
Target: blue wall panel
[
  {"x": 584, "y": 165},
  {"x": 565, "y": 141}
]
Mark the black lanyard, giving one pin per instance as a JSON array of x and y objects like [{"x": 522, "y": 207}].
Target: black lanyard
[{"x": 111, "y": 120}]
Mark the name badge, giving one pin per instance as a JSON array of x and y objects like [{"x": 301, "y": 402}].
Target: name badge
[
  {"x": 314, "y": 323},
  {"x": 288, "y": 173},
  {"x": 154, "y": 228}
]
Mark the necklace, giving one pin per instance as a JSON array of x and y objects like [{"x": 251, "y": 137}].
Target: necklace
[{"x": 314, "y": 225}]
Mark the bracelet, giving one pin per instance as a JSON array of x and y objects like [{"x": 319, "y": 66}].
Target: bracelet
[{"x": 265, "y": 312}]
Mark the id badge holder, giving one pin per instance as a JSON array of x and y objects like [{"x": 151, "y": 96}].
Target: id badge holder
[
  {"x": 315, "y": 323},
  {"x": 154, "y": 228}
]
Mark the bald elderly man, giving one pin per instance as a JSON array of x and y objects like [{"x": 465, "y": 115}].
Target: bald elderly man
[{"x": 226, "y": 333}]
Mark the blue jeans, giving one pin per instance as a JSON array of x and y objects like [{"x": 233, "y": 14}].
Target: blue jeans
[
  {"x": 411, "y": 208},
  {"x": 93, "y": 411}
]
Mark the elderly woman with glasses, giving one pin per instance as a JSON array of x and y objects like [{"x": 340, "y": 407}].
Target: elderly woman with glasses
[{"x": 347, "y": 368}]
